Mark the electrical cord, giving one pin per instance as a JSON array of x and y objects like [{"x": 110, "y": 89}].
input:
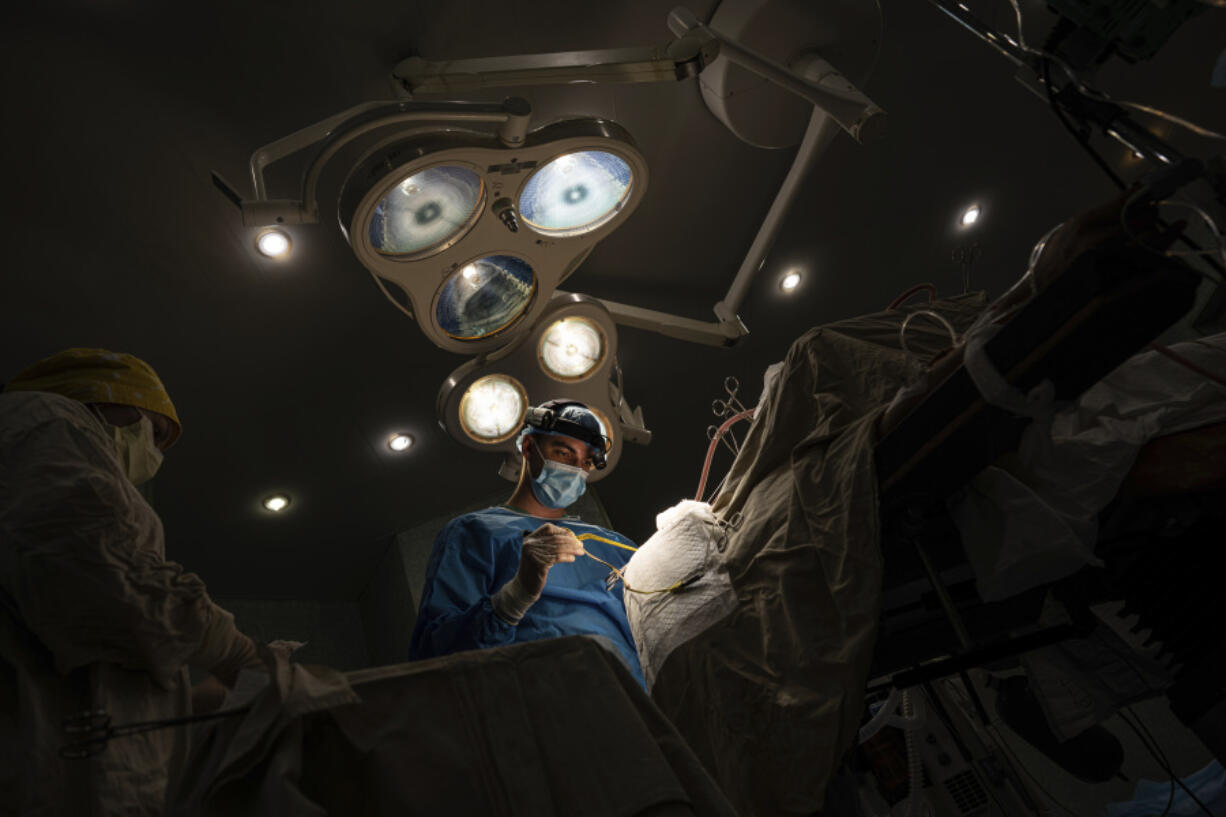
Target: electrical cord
[
  {"x": 1180, "y": 359},
  {"x": 1093, "y": 93},
  {"x": 1082, "y": 138},
  {"x": 1148, "y": 741},
  {"x": 932, "y": 294},
  {"x": 902, "y": 330},
  {"x": 992, "y": 730},
  {"x": 1152, "y": 744}
]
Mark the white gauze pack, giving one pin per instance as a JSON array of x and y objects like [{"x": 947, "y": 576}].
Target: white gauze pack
[{"x": 686, "y": 548}]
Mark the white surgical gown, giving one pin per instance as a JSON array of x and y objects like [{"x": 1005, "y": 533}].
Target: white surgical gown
[{"x": 92, "y": 616}]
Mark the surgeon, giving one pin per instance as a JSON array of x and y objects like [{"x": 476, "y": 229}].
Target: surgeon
[
  {"x": 518, "y": 572},
  {"x": 93, "y": 618}
]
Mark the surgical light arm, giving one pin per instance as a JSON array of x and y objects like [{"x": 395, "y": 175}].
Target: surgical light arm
[
  {"x": 696, "y": 47},
  {"x": 1112, "y": 118},
  {"x": 337, "y": 131},
  {"x": 836, "y": 101}
]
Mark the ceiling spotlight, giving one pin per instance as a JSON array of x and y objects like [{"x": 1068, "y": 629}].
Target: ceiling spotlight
[
  {"x": 400, "y": 442},
  {"x": 493, "y": 408},
  {"x": 276, "y": 503},
  {"x": 790, "y": 281},
  {"x": 970, "y": 215},
  {"x": 571, "y": 349},
  {"x": 272, "y": 243},
  {"x": 576, "y": 193}
]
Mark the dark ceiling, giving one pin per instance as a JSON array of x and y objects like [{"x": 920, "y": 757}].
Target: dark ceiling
[{"x": 289, "y": 376}]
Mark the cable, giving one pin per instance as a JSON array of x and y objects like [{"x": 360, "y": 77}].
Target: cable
[
  {"x": 902, "y": 330},
  {"x": 706, "y": 466},
  {"x": 1094, "y": 93},
  {"x": 598, "y": 538},
  {"x": 1197, "y": 250},
  {"x": 622, "y": 576},
  {"x": 932, "y": 294},
  {"x": 1158, "y": 755},
  {"x": 1082, "y": 138},
  {"x": 1178, "y": 358},
  {"x": 1148, "y": 741}
]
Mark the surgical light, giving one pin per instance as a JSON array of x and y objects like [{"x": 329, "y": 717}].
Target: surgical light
[
  {"x": 970, "y": 215},
  {"x": 272, "y": 243},
  {"x": 427, "y": 212},
  {"x": 569, "y": 352},
  {"x": 276, "y": 503},
  {"x": 492, "y": 409},
  {"x": 576, "y": 193},
  {"x": 790, "y": 281},
  {"x": 400, "y": 442},
  {"x": 571, "y": 349},
  {"x": 486, "y": 297},
  {"x": 470, "y": 234}
]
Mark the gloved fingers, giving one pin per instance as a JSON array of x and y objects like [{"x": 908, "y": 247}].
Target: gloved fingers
[{"x": 549, "y": 529}]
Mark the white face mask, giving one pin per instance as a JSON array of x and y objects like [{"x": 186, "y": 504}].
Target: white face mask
[{"x": 137, "y": 451}]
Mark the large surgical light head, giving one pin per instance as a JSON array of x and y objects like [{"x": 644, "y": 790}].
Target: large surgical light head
[
  {"x": 576, "y": 193},
  {"x": 427, "y": 212},
  {"x": 477, "y": 234}
]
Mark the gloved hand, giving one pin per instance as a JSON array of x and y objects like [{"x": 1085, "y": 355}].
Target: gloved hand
[
  {"x": 542, "y": 549},
  {"x": 224, "y": 651}
]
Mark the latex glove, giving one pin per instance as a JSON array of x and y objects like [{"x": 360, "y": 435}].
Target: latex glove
[
  {"x": 224, "y": 651},
  {"x": 542, "y": 549},
  {"x": 208, "y": 695}
]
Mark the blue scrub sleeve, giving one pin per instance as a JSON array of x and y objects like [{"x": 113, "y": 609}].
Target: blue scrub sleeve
[{"x": 456, "y": 613}]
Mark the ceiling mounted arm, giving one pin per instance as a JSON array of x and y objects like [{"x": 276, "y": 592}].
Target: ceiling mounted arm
[
  {"x": 682, "y": 58},
  {"x": 511, "y": 116},
  {"x": 696, "y": 47}
]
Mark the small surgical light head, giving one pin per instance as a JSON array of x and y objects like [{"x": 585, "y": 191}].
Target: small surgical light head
[
  {"x": 790, "y": 281},
  {"x": 272, "y": 243},
  {"x": 276, "y": 503},
  {"x": 492, "y": 408},
  {"x": 572, "y": 348},
  {"x": 400, "y": 442},
  {"x": 970, "y": 215}
]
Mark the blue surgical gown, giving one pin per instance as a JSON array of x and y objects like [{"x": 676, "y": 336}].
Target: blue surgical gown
[{"x": 477, "y": 553}]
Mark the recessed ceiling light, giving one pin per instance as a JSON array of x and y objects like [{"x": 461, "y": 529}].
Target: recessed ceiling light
[
  {"x": 970, "y": 215},
  {"x": 272, "y": 243},
  {"x": 400, "y": 442},
  {"x": 790, "y": 281},
  {"x": 276, "y": 503}
]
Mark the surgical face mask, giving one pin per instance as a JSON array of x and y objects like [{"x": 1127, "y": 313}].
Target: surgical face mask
[
  {"x": 137, "y": 452},
  {"x": 558, "y": 485}
]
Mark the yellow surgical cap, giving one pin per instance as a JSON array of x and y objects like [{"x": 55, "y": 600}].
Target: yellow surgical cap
[{"x": 99, "y": 376}]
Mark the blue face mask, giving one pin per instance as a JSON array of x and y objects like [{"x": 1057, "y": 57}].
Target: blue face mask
[{"x": 559, "y": 485}]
